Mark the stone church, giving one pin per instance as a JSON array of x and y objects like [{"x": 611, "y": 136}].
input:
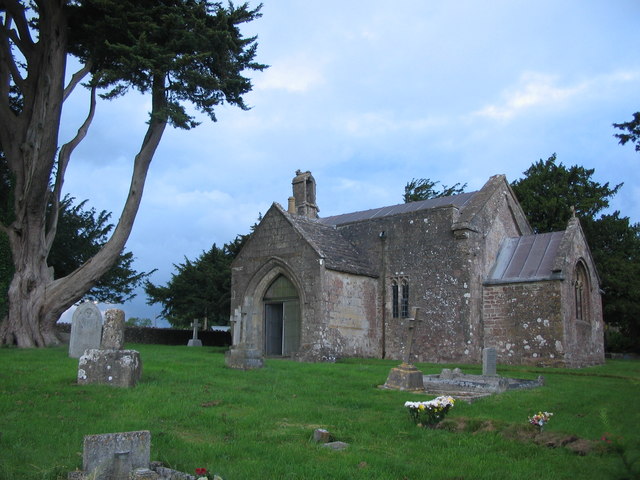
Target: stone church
[{"x": 315, "y": 289}]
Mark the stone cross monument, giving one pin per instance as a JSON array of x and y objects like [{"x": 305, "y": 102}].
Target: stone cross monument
[
  {"x": 195, "y": 341},
  {"x": 406, "y": 376}
]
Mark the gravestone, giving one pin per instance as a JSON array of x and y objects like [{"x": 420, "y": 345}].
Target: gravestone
[
  {"x": 111, "y": 365},
  {"x": 119, "y": 368},
  {"x": 489, "y": 360},
  {"x": 86, "y": 329},
  {"x": 112, "y": 456},
  {"x": 123, "y": 456},
  {"x": 243, "y": 355},
  {"x": 195, "y": 342}
]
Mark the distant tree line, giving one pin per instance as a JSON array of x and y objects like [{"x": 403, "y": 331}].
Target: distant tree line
[{"x": 199, "y": 289}]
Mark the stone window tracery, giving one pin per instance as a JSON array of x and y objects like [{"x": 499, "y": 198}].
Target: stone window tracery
[{"x": 399, "y": 297}]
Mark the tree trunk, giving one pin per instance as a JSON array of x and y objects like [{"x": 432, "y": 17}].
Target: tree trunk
[{"x": 30, "y": 142}]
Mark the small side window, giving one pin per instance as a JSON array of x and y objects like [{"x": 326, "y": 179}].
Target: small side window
[{"x": 399, "y": 297}]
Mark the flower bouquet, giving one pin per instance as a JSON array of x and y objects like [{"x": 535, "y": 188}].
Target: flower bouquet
[
  {"x": 540, "y": 419},
  {"x": 428, "y": 414},
  {"x": 202, "y": 474}
]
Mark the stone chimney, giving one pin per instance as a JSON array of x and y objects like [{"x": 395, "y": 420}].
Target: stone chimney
[{"x": 304, "y": 195}]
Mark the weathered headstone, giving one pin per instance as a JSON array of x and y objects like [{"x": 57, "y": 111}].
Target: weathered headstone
[
  {"x": 120, "y": 368},
  {"x": 86, "y": 329},
  {"x": 113, "y": 456},
  {"x": 110, "y": 365},
  {"x": 194, "y": 341},
  {"x": 123, "y": 456},
  {"x": 113, "y": 331},
  {"x": 489, "y": 360},
  {"x": 243, "y": 355}
]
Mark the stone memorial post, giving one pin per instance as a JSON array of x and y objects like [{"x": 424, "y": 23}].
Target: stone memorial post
[
  {"x": 113, "y": 332},
  {"x": 489, "y": 360},
  {"x": 86, "y": 329},
  {"x": 406, "y": 376},
  {"x": 194, "y": 341}
]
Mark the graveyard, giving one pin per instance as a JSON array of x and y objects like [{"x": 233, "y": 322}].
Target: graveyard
[{"x": 261, "y": 423}]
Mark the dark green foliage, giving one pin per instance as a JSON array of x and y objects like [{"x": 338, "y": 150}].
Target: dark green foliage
[
  {"x": 193, "y": 46},
  {"x": 632, "y": 130},
  {"x": 138, "y": 322},
  {"x": 200, "y": 288},
  {"x": 81, "y": 233},
  {"x": 548, "y": 191},
  {"x": 185, "y": 55},
  {"x": 615, "y": 245},
  {"x": 423, "y": 189}
]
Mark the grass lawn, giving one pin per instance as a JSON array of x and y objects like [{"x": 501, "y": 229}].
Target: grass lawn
[{"x": 259, "y": 424}]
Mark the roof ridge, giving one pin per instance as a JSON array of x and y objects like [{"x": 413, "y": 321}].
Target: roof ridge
[{"x": 458, "y": 200}]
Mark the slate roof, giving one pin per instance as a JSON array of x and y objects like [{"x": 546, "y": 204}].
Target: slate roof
[
  {"x": 454, "y": 200},
  {"x": 528, "y": 258},
  {"x": 337, "y": 252}
]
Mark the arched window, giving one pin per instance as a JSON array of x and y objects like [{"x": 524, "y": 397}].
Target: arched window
[
  {"x": 399, "y": 297},
  {"x": 581, "y": 292}
]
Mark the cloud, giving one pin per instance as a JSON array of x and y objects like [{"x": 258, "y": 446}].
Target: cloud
[
  {"x": 535, "y": 89},
  {"x": 297, "y": 74},
  {"x": 542, "y": 90},
  {"x": 381, "y": 123}
]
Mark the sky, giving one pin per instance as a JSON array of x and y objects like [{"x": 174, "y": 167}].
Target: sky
[{"x": 367, "y": 95}]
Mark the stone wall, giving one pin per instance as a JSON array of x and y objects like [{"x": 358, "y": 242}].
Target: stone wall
[
  {"x": 352, "y": 327},
  {"x": 523, "y": 322},
  {"x": 419, "y": 248}
]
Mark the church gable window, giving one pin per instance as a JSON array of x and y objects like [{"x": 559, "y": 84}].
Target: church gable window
[{"x": 581, "y": 292}]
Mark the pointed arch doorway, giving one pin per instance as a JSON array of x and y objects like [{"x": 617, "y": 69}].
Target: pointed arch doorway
[{"x": 281, "y": 318}]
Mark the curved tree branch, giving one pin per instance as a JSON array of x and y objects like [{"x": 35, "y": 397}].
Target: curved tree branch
[
  {"x": 75, "y": 79},
  {"x": 63, "y": 161},
  {"x": 62, "y": 293}
]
